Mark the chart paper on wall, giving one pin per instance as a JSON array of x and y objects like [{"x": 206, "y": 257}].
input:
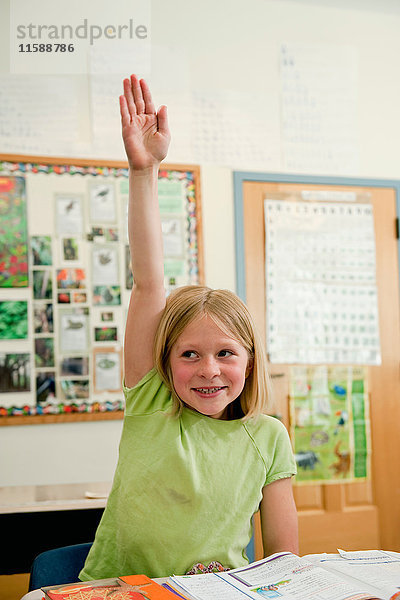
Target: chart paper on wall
[{"x": 321, "y": 290}]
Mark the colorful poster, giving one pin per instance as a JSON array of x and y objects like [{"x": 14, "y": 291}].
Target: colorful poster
[
  {"x": 330, "y": 423},
  {"x": 13, "y": 233}
]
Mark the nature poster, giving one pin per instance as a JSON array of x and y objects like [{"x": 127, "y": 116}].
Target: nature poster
[
  {"x": 13, "y": 319},
  {"x": 13, "y": 233},
  {"x": 15, "y": 375},
  {"x": 330, "y": 423},
  {"x": 106, "y": 295},
  {"x": 71, "y": 278},
  {"x": 75, "y": 365},
  {"x": 43, "y": 317},
  {"x": 42, "y": 285},
  {"x": 75, "y": 389},
  {"x": 41, "y": 250},
  {"x": 105, "y": 334},
  {"x": 70, "y": 249},
  {"x": 46, "y": 387},
  {"x": 44, "y": 352}
]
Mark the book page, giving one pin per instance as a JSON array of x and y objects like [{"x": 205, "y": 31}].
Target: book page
[
  {"x": 289, "y": 577},
  {"x": 376, "y": 568}
]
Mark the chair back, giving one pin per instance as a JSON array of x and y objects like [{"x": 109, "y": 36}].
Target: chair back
[{"x": 58, "y": 566}]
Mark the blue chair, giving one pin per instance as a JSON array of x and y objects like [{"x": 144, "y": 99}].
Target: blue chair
[{"x": 58, "y": 566}]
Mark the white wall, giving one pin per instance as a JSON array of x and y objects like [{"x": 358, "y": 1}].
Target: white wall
[{"x": 216, "y": 46}]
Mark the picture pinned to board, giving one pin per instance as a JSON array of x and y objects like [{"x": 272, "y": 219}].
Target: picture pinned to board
[
  {"x": 74, "y": 330},
  {"x": 13, "y": 319},
  {"x": 13, "y": 232},
  {"x": 70, "y": 249},
  {"x": 69, "y": 216},
  {"x": 105, "y": 334},
  {"x": 43, "y": 317},
  {"x": 72, "y": 366},
  {"x": 41, "y": 250},
  {"x": 44, "y": 352},
  {"x": 107, "y": 369},
  {"x": 42, "y": 284},
  {"x": 71, "y": 257},
  {"x": 102, "y": 207},
  {"x": 15, "y": 372}
]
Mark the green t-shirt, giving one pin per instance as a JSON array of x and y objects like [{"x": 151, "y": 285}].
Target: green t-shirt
[{"x": 185, "y": 488}]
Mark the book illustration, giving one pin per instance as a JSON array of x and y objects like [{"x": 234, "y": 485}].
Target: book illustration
[
  {"x": 271, "y": 590},
  {"x": 134, "y": 587}
]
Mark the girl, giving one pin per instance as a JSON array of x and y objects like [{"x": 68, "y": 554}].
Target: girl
[{"x": 197, "y": 456}]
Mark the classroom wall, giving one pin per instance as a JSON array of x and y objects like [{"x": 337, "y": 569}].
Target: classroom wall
[{"x": 209, "y": 47}]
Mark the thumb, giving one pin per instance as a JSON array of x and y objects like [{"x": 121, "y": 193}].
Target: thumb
[{"x": 162, "y": 119}]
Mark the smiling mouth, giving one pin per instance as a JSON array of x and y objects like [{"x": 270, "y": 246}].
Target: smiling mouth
[{"x": 212, "y": 390}]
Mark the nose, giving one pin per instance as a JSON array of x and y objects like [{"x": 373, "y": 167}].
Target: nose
[{"x": 209, "y": 367}]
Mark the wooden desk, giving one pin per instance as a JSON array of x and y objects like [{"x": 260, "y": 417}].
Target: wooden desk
[{"x": 38, "y": 518}]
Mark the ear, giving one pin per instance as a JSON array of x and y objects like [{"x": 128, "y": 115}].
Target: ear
[{"x": 249, "y": 367}]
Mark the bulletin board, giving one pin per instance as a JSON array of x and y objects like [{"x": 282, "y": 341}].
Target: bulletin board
[{"x": 65, "y": 280}]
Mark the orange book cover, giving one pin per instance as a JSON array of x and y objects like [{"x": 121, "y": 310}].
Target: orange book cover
[{"x": 131, "y": 587}]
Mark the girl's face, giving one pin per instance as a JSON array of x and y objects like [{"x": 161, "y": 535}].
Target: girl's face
[{"x": 209, "y": 368}]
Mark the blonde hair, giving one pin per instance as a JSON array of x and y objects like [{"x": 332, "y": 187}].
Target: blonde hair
[{"x": 230, "y": 314}]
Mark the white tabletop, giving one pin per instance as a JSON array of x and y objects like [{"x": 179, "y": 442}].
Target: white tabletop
[{"x": 39, "y": 498}]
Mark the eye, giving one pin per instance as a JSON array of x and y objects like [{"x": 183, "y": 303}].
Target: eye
[
  {"x": 189, "y": 354},
  {"x": 225, "y": 353}
]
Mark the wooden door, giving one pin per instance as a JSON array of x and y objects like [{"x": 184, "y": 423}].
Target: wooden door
[{"x": 365, "y": 514}]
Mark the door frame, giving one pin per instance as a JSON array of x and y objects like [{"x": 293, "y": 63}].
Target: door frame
[{"x": 239, "y": 177}]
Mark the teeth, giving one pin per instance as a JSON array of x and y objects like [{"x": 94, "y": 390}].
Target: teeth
[{"x": 208, "y": 390}]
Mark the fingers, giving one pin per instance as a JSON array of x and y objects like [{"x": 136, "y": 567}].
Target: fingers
[
  {"x": 162, "y": 118},
  {"x": 137, "y": 95},
  {"x": 148, "y": 102},
  {"x": 129, "y": 97},
  {"x": 123, "y": 107}
]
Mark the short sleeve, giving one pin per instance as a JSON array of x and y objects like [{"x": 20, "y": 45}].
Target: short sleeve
[
  {"x": 148, "y": 396},
  {"x": 282, "y": 462}
]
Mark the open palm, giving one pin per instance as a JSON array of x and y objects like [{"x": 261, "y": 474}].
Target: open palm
[{"x": 145, "y": 133}]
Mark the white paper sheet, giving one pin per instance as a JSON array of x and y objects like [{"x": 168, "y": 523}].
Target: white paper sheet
[
  {"x": 319, "y": 118},
  {"x": 321, "y": 283}
]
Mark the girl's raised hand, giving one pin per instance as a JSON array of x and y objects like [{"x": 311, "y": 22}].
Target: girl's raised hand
[{"x": 145, "y": 133}]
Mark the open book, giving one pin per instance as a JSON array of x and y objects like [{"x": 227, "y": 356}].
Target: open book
[{"x": 365, "y": 575}]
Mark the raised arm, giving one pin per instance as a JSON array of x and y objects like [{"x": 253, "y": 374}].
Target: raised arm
[{"x": 146, "y": 138}]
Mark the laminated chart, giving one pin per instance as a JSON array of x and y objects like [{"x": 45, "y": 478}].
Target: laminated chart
[{"x": 321, "y": 291}]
